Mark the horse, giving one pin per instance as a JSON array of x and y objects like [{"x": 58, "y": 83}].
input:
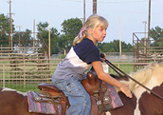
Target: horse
[
  {"x": 143, "y": 101},
  {"x": 13, "y": 102}
]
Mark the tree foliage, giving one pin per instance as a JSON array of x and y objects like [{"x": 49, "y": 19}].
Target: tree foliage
[
  {"x": 70, "y": 29},
  {"x": 54, "y": 37},
  {"x": 23, "y": 38},
  {"x": 113, "y": 46},
  {"x": 4, "y": 30},
  {"x": 157, "y": 35}
]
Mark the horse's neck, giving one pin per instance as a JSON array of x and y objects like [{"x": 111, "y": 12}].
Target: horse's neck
[
  {"x": 150, "y": 76},
  {"x": 149, "y": 83}
]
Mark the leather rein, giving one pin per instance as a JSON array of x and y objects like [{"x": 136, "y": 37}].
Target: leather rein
[{"x": 116, "y": 68}]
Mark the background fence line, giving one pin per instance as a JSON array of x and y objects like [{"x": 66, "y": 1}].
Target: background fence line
[{"x": 26, "y": 74}]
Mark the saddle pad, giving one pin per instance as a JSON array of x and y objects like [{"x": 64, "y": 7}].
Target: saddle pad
[
  {"x": 116, "y": 101},
  {"x": 41, "y": 107}
]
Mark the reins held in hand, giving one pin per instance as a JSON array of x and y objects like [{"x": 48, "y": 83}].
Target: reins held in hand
[{"x": 116, "y": 68}]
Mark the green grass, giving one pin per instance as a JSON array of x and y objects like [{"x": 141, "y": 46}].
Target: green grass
[{"x": 123, "y": 67}]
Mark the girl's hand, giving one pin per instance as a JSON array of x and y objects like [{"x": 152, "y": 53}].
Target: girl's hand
[
  {"x": 126, "y": 90},
  {"x": 102, "y": 56}
]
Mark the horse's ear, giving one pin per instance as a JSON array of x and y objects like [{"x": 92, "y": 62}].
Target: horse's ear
[
  {"x": 114, "y": 76},
  {"x": 119, "y": 77}
]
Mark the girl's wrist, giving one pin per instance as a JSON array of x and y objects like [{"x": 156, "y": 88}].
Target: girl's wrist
[{"x": 120, "y": 85}]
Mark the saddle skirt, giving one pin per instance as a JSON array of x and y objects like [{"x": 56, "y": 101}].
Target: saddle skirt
[
  {"x": 41, "y": 103},
  {"x": 109, "y": 99},
  {"x": 115, "y": 99}
]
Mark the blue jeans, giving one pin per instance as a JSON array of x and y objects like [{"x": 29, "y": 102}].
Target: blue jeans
[{"x": 79, "y": 99}]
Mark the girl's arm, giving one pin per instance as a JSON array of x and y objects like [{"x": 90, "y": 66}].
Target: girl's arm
[{"x": 108, "y": 79}]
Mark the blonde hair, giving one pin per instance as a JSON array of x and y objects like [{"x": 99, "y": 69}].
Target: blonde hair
[{"x": 92, "y": 22}]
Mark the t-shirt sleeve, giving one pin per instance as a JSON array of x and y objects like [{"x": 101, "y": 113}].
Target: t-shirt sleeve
[
  {"x": 87, "y": 51},
  {"x": 93, "y": 56}
]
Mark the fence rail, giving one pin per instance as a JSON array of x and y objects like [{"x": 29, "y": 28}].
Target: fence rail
[{"x": 26, "y": 74}]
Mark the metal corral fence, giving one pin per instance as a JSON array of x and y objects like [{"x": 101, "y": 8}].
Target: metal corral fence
[{"x": 26, "y": 74}]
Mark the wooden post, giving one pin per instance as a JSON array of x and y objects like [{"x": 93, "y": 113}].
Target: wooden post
[
  {"x": 83, "y": 13},
  {"x": 120, "y": 49},
  {"x": 1, "y": 49},
  {"x": 149, "y": 16},
  {"x": 24, "y": 75},
  {"x": 10, "y": 34},
  {"x": 3, "y": 75},
  {"x": 145, "y": 38},
  {"x": 34, "y": 36},
  {"x": 49, "y": 42},
  {"x": 19, "y": 37}
]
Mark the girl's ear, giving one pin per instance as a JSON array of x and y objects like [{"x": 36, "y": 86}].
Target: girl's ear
[{"x": 90, "y": 31}]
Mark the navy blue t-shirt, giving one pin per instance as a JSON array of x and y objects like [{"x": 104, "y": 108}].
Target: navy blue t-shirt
[{"x": 87, "y": 51}]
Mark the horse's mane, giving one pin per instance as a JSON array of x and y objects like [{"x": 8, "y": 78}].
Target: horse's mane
[{"x": 144, "y": 75}]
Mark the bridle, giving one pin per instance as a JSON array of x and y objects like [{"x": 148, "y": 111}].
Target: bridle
[{"x": 118, "y": 71}]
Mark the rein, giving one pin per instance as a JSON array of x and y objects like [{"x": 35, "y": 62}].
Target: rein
[{"x": 116, "y": 68}]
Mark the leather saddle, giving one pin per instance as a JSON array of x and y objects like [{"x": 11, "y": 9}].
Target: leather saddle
[{"x": 97, "y": 90}]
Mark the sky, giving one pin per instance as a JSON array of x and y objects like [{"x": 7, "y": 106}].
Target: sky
[{"x": 125, "y": 17}]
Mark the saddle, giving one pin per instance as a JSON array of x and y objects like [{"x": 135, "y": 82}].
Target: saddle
[
  {"x": 100, "y": 96},
  {"x": 56, "y": 96},
  {"x": 97, "y": 89}
]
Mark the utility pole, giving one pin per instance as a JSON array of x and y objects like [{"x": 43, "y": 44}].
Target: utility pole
[
  {"x": 84, "y": 13},
  {"x": 10, "y": 33},
  {"x": 149, "y": 16},
  {"x": 94, "y": 6}
]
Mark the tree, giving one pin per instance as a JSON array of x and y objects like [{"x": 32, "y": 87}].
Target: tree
[
  {"x": 157, "y": 36},
  {"x": 25, "y": 39},
  {"x": 43, "y": 31},
  {"x": 126, "y": 47},
  {"x": 70, "y": 29},
  {"x": 54, "y": 35},
  {"x": 113, "y": 46},
  {"x": 4, "y": 30}
]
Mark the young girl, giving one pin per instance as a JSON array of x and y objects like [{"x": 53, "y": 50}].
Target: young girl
[{"x": 82, "y": 55}]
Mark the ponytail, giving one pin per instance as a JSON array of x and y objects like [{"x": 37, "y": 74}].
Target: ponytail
[{"x": 80, "y": 37}]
